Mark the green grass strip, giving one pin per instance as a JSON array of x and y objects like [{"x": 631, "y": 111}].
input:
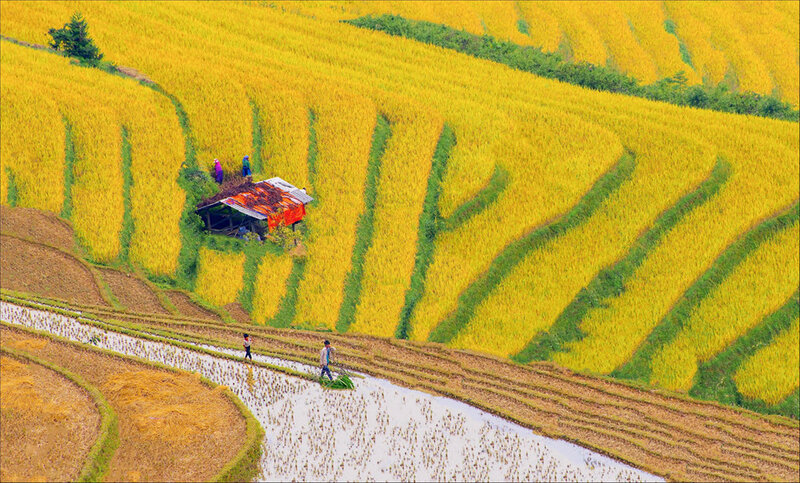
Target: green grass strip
[
  {"x": 610, "y": 282},
  {"x": 552, "y": 65},
  {"x": 246, "y": 465},
  {"x": 479, "y": 202},
  {"x": 789, "y": 407},
  {"x": 714, "y": 379},
  {"x": 638, "y": 367},
  {"x": 197, "y": 184},
  {"x": 190, "y": 156},
  {"x": 253, "y": 253},
  {"x": 127, "y": 181},
  {"x": 522, "y": 26},
  {"x": 313, "y": 153},
  {"x": 288, "y": 305},
  {"x": 365, "y": 227},
  {"x": 13, "y": 192},
  {"x": 101, "y": 452},
  {"x": 69, "y": 173},
  {"x": 258, "y": 140},
  {"x": 517, "y": 250},
  {"x": 671, "y": 29},
  {"x": 429, "y": 221}
]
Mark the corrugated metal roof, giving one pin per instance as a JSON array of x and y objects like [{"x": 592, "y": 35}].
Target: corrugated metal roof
[
  {"x": 297, "y": 193},
  {"x": 263, "y": 198},
  {"x": 242, "y": 209}
]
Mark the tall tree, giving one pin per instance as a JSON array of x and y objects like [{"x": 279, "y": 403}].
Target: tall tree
[{"x": 74, "y": 40}]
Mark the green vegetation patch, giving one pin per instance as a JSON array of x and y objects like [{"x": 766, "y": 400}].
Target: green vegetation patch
[
  {"x": 485, "y": 197},
  {"x": 313, "y": 153},
  {"x": 610, "y": 282},
  {"x": 671, "y": 29},
  {"x": 69, "y": 173},
  {"x": 714, "y": 379},
  {"x": 288, "y": 304},
  {"x": 429, "y": 221},
  {"x": 341, "y": 382},
  {"x": 127, "y": 181},
  {"x": 364, "y": 228},
  {"x": 638, "y": 367},
  {"x": 13, "y": 192},
  {"x": 254, "y": 252},
  {"x": 258, "y": 140},
  {"x": 523, "y": 27},
  {"x": 517, "y": 250},
  {"x": 672, "y": 90}
]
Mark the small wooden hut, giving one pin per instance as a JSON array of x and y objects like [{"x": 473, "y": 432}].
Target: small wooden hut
[{"x": 258, "y": 207}]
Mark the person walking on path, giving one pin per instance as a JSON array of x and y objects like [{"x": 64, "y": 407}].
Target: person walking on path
[
  {"x": 247, "y": 348},
  {"x": 218, "y": 171},
  {"x": 246, "y": 167},
  {"x": 325, "y": 359}
]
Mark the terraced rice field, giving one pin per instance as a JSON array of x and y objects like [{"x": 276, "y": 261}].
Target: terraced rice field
[
  {"x": 457, "y": 201},
  {"x": 481, "y": 446},
  {"x": 746, "y": 43},
  {"x": 662, "y": 433},
  {"x": 141, "y": 418},
  {"x": 41, "y": 412}
]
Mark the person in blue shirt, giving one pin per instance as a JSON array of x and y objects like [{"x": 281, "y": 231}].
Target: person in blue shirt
[
  {"x": 325, "y": 359},
  {"x": 246, "y": 167}
]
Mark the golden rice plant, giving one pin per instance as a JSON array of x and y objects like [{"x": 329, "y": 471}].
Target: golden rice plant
[
  {"x": 647, "y": 24},
  {"x": 344, "y": 126},
  {"x": 554, "y": 140},
  {"x": 585, "y": 41},
  {"x": 98, "y": 205},
  {"x": 32, "y": 144},
  {"x": 536, "y": 291},
  {"x": 220, "y": 276},
  {"x": 757, "y": 287},
  {"x": 543, "y": 28},
  {"x": 390, "y": 259},
  {"x": 285, "y": 132},
  {"x": 270, "y": 286},
  {"x": 762, "y": 182},
  {"x": 772, "y": 373},
  {"x": 156, "y": 152}
]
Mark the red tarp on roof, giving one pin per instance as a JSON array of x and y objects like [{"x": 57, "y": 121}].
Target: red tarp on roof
[{"x": 270, "y": 202}]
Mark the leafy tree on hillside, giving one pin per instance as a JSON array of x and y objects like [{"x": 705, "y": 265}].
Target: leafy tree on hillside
[{"x": 74, "y": 40}]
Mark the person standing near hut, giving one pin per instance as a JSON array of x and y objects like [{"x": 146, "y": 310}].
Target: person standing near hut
[
  {"x": 247, "y": 348},
  {"x": 218, "y": 171},
  {"x": 325, "y": 359},
  {"x": 246, "y": 167}
]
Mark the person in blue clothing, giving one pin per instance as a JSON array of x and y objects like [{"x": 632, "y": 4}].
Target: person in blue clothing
[
  {"x": 246, "y": 166},
  {"x": 325, "y": 359}
]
